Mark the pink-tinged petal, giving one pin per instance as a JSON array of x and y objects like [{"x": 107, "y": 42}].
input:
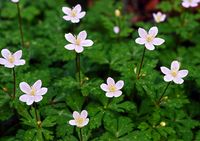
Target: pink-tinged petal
[
  {"x": 149, "y": 46},
  {"x": 42, "y": 91},
  {"x": 66, "y": 10},
  {"x": 76, "y": 115},
  {"x": 185, "y": 4},
  {"x": 9, "y": 65},
  {"x": 110, "y": 81},
  {"x": 104, "y": 87},
  {"x": 75, "y": 20},
  {"x": 183, "y": 73},
  {"x": 81, "y": 15},
  {"x": 19, "y": 62},
  {"x": 79, "y": 49},
  {"x": 119, "y": 84},
  {"x": 5, "y": 53},
  {"x": 25, "y": 87},
  {"x": 37, "y": 85},
  {"x": 153, "y": 31},
  {"x": 2, "y": 61},
  {"x": 86, "y": 122},
  {"x": 70, "y": 46},
  {"x": 70, "y": 38},
  {"x": 168, "y": 78},
  {"x": 110, "y": 94},
  {"x": 158, "y": 41},
  {"x": 142, "y": 33},
  {"x": 77, "y": 8},
  {"x": 117, "y": 93},
  {"x": 175, "y": 65},
  {"x": 30, "y": 100},
  {"x": 178, "y": 80},
  {"x": 17, "y": 55},
  {"x": 72, "y": 122},
  {"x": 67, "y": 18},
  {"x": 24, "y": 97},
  {"x": 87, "y": 43},
  {"x": 82, "y": 35},
  {"x": 163, "y": 17},
  {"x": 84, "y": 114},
  {"x": 194, "y": 4},
  {"x": 38, "y": 98},
  {"x": 140, "y": 41},
  {"x": 165, "y": 70}
]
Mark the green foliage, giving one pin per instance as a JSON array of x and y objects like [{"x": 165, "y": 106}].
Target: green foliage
[{"x": 134, "y": 116}]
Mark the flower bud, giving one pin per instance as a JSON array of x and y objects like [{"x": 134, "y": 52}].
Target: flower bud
[
  {"x": 162, "y": 123},
  {"x": 117, "y": 13}
]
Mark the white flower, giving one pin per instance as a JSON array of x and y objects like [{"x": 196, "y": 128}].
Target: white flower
[
  {"x": 149, "y": 39},
  {"x": 190, "y": 3},
  {"x": 174, "y": 74},
  {"x": 32, "y": 93},
  {"x": 11, "y": 60},
  {"x": 112, "y": 89},
  {"x": 77, "y": 43},
  {"x": 116, "y": 29},
  {"x": 74, "y": 15},
  {"x": 159, "y": 17},
  {"x": 15, "y": 1},
  {"x": 80, "y": 120}
]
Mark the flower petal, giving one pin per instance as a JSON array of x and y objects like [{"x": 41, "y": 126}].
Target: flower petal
[
  {"x": 158, "y": 41},
  {"x": 30, "y": 100},
  {"x": 87, "y": 43},
  {"x": 153, "y": 31},
  {"x": 149, "y": 46},
  {"x": 19, "y": 62},
  {"x": 165, "y": 70},
  {"x": 5, "y": 53},
  {"x": 110, "y": 81},
  {"x": 17, "y": 55},
  {"x": 70, "y": 38},
  {"x": 75, "y": 20},
  {"x": 38, "y": 98},
  {"x": 79, "y": 49},
  {"x": 140, "y": 41},
  {"x": 2, "y": 61},
  {"x": 175, "y": 65},
  {"x": 67, "y": 18},
  {"x": 25, "y": 87},
  {"x": 42, "y": 91},
  {"x": 185, "y": 4},
  {"x": 178, "y": 80},
  {"x": 37, "y": 85},
  {"x": 24, "y": 97},
  {"x": 66, "y": 10},
  {"x": 9, "y": 65},
  {"x": 119, "y": 84},
  {"x": 70, "y": 46},
  {"x": 117, "y": 93},
  {"x": 75, "y": 114},
  {"x": 81, "y": 15},
  {"x": 72, "y": 122},
  {"x": 86, "y": 122},
  {"x": 82, "y": 35},
  {"x": 168, "y": 78},
  {"x": 104, "y": 87},
  {"x": 77, "y": 8},
  {"x": 84, "y": 114},
  {"x": 183, "y": 73},
  {"x": 109, "y": 94},
  {"x": 142, "y": 33}
]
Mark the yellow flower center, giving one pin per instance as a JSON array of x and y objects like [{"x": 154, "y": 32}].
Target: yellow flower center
[
  {"x": 149, "y": 38},
  {"x": 32, "y": 92},
  {"x": 11, "y": 59},
  {"x": 112, "y": 88},
  {"x": 78, "y": 42},
  {"x": 79, "y": 121},
  {"x": 174, "y": 73},
  {"x": 158, "y": 18},
  {"x": 73, "y": 13}
]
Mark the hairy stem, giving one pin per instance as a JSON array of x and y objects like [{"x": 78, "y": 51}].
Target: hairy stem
[
  {"x": 141, "y": 63},
  {"x": 78, "y": 68},
  {"x": 20, "y": 25},
  {"x": 81, "y": 136},
  {"x": 38, "y": 122}
]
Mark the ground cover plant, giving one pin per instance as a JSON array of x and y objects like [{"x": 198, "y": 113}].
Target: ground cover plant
[{"x": 99, "y": 70}]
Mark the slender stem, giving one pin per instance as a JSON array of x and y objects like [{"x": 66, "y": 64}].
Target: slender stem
[
  {"x": 81, "y": 136},
  {"x": 14, "y": 83},
  {"x": 78, "y": 67},
  {"x": 159, "y": 100},
  {"x": 20, "y": 25},
  {"x": 141, "y": 63},
  {"x": 38, "y": 122}
]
